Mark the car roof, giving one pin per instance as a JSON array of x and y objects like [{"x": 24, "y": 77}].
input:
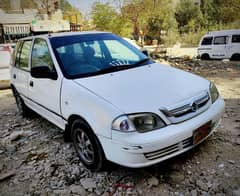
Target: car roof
[
  {"x": 223, "y": 32},
  {"x": 63, "y": 34}
]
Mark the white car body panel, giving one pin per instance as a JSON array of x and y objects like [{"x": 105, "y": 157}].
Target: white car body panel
[
  {"x": 129, "y": 148},
  {"x": 149, "y": 87},
  {"x": 46, "y": 94},
  {"x": 99, "y": 113}
]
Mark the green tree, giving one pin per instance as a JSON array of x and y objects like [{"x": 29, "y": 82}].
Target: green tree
[
  {"x": 227, "y": 10},
  {"x": 188, "y": 16},
  {"x": 150, "y": 16},
  {"x": 160, "y": 18},
  {"x": 71, "y": 13},
  {"x": 107, "y": 18}
]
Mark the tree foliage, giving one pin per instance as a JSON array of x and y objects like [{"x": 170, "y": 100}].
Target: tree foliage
[
  {"x": 107, "y": 18},
  {"x": 211, "y": 14},
  {"x": 139, "y": 17},
  {"x": 188, "y": 16},
  {"x": 152, "y": 18},
  {"x": 70, "y": 13}
]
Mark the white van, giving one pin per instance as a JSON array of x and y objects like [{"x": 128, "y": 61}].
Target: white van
[{"x": 220, "y": 45}]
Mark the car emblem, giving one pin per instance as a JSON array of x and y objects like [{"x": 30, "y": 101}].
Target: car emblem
[{"x": 194, "y": 107}]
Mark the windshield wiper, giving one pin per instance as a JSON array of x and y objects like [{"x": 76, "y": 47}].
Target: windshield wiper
[
  {"x": 121, "y": 67},
  {"x": 141, "y": 61},
  {"x": 113, "y": 68}
]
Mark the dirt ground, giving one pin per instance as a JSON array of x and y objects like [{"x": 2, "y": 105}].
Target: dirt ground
[{"x": 34, "y": 160}]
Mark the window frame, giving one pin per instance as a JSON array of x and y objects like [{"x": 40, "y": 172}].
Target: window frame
[
  {"x": 210, "y": 37},
  {"x": 19, "y": 51},
  {"x": 54, "y": 44},
  {"x": 39, "y": 38},
  {"x": 232, "y": 39},
  {"x": 16, "y": 52},
  {"x": 225, "y": 39}
]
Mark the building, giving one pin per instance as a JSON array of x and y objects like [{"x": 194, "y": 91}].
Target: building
[
  {"x": 15, "y": 25},
  {"x": 17, "y": 22}
]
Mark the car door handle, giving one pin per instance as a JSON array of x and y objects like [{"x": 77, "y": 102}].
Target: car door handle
[
  {"x": 31, "y": 83},
  {"x": 14, "y": 76}
]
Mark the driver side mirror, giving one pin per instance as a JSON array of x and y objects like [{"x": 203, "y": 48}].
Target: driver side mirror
[
  {"x": 43, "y": 72},
  {"x": 144, "y": 51}
]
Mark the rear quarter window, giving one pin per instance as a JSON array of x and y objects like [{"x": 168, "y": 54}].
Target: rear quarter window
[
  {"x": 16, "y": 54},
  {"x": 207, "y": 41},
  {"x": 235, "y": 38}
]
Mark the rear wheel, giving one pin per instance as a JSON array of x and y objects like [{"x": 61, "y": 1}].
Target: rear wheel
[
  {"x": 87, "y": 145},
  {"x": 22, "y": 108},
  {"x": 205, "y": 57},
  {"x": 235, "y": 57}
]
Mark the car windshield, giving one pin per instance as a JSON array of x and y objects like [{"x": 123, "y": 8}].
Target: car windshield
[{"x": 94, "y": 54}]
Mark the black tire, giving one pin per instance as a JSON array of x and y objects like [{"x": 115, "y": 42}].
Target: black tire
[
  {"x": 23, "y": 110},
  {"x": 235, "y": 57},
  {"x": 205, "y": 57},
  {"x": 87, "y": 146}
]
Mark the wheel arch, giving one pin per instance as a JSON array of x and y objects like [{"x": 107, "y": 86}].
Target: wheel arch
[
  {"x": 205, "y": 56},
  {"x": 70, "y": 120},
  {"x": 235, "y": 56},
  {"x": 67, "y": 132}
]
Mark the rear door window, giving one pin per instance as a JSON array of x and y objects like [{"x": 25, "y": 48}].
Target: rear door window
[
  {"x": 23, "y": 55},
  {"x": 207, "y": 41},
  {"x": 235, "y": 38},
  {"x": 220, "y": 40}
]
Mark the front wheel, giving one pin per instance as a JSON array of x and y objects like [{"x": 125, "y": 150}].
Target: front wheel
[
  {"x": 87, "y": 145},
  {"x": 205, "y": 57}
]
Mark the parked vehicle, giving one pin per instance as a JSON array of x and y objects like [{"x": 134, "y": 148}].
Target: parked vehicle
[
  {"x": 6, "y": 51},
  {"x": 114, "y": 102},
  {"x": 5, "y": 54},
  {"x": 220, "y": 45}
]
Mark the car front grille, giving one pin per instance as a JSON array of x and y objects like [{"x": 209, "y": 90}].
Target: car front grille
[
  {"x": 189, "y": 109},
  {"x": 169, "y": 150}
]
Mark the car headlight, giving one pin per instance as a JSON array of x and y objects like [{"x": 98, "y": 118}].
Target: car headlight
[
  {"x": 142, "y": 122},
  {"x": 213, "y": 92}
]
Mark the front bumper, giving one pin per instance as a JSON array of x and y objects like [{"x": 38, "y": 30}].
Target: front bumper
[{"x": 144, "y": 149}]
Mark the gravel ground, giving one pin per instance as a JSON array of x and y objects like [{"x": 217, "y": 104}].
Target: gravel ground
[{"x": 36, "y": 161}]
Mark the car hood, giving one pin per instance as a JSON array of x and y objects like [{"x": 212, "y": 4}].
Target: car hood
[{"x": 145, "y": 88}]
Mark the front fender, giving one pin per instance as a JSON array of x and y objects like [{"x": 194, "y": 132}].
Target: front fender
[{"x": 99, "y": 113}]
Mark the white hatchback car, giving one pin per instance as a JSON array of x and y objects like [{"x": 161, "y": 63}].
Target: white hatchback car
[{"x": 114, "y": 102}]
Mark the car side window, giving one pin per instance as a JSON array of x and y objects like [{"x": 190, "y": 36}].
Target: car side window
[
  {"x": 16, "y": 54},
  {"x": 41, "y": 55},
  {"x": 207, "y": 41},
  {"x": 23, "y": 55},
  {"x": 235, "y": 38},
  {"x": 220, "y": 40}
]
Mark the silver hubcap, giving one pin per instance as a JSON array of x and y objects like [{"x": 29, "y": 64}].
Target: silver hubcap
[{"x": 84, "y": 146}]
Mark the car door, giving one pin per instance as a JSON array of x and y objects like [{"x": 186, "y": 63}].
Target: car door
[
  {"x": 235, "y": 45},
  {"x": 45, "y": 92},
  {"x": 20, "y": 71},
  {"x": 219, "y": 48}
]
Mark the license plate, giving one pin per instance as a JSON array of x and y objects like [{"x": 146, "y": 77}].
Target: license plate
[{"x": 200, "y": 133}]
